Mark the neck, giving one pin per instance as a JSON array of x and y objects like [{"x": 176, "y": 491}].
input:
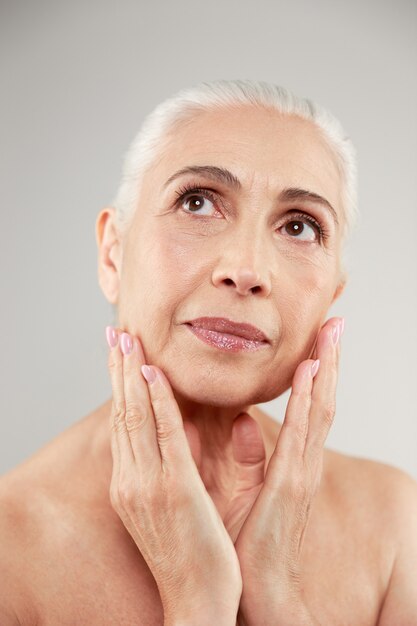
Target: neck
[
  {"x": 214, "y": 426},
  {"x": 214, "y": 423}
]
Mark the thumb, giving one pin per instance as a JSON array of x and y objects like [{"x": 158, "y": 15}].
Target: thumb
[
  {"x": 248, "y": 451},
  {"x": 249, "y": 455}
]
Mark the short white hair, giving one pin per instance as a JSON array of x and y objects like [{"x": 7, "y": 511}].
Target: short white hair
[{"x": 227, "y": 94}]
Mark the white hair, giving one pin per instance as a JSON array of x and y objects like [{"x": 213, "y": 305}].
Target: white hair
[{"x": 227, "y": 94}]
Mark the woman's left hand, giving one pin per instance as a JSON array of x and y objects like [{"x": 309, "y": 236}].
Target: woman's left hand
[{"x": 269, "y": 541}]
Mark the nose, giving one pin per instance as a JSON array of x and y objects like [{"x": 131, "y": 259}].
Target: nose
[{"x": 244, "y": 266}]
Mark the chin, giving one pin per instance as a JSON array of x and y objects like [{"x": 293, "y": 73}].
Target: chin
[
  {"x": 200, "y": 380},
  {"x": 214, "y": 399},
  {"x": 218, "y": 393}
]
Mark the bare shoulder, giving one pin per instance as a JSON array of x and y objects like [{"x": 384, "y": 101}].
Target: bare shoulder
[
  {"x": 14, "y": 596},
  {"x": 9, "y": 589},
  {"x": 366, "y": 478},
  {"x": 32, "y": 524},
  {"x": 382, "y": 500},
  {"x": 373, "y": 487}
]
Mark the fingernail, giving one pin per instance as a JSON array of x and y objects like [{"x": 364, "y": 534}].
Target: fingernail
[
  {"x": 336, "y": 334},
  {"x": 315, "y": 367},
  {"x": 111, "y": 336},
  {"x": 149, "y": 373},
  {"x": 126, "y": 343},
  {"x": 342, "y": 326}
]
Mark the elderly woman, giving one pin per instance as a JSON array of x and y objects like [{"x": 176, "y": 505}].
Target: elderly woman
[{"x": 178, "y": 501}]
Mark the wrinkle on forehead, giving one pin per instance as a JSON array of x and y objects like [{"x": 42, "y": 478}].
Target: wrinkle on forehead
[{"x": 266, "y": 150}]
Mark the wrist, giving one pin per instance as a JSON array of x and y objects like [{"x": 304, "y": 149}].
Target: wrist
[
  {"x": 282, "y": 614},
  {"x": 203, "y": 615},
  {"x": 202, "y": 619},
  {"x": 206, "y": 620}
]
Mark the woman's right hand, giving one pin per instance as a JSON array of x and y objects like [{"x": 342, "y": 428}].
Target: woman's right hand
[{"x": 158, "y": 493}]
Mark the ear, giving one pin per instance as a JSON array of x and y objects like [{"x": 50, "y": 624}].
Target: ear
[
  {"x": 340, "y": 286},
  {"x": 109, "y": 246}
]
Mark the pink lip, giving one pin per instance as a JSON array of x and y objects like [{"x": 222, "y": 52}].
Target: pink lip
[
  {"x": 209, "y": 327},
  {"x": 225, "y": 341}
]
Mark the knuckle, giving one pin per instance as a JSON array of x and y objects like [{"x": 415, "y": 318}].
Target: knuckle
[
  {"x": 126, "y": 495},
  {"x": 135, "y": 415},
  {"x": 118, "y": 415},
  {"x": 111, "y": 361},
  {"x": 166, "y": 429},
  {"x": 129, "y": 496},
  {"x": 329, "y": 411},
  {"x": 292, "y": 569}
]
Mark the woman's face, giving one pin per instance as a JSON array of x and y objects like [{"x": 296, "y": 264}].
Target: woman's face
[{"x": 248, "y": 251}]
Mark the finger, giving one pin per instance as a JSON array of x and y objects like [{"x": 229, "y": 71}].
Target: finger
[
  {"x": 333, "y": 321},
  {"x": 119, "y": 438},
  {"x": 248, "y": 452},
  {"x": 139, "y": 416},
  {"x": 171, "y": 437},
  {"x": 112, "y": 337},
  {"x": 288, "y": 454},
  {"x": 323, "y": 397}
]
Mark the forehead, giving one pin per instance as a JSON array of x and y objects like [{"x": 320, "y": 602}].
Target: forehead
[{"x": 263, "y": 148}]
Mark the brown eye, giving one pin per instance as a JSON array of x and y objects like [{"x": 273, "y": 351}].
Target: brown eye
[
  {"x": 298, "y": 229},
  {"x": 195, "y": 203},
  {"x": 197, "y": 198},
  {"x": 199, "y": 202}
]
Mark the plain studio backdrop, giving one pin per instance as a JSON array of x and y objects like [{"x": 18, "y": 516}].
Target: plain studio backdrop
[{"x": 78, "y": 78}]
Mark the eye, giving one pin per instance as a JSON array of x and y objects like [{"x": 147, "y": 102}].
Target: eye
[
  {"x": 202, "y": 201},
  {"x": 304, "y": 227},
  {"x": 197, "y": 199},
  {"x": 196, "y": 203}
]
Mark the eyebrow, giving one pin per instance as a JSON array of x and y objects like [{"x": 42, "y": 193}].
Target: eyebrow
[
  {"x": 220, "y": 174},
  {"x": 210, "y": 171},
  {"x": 295, "y": 193}
]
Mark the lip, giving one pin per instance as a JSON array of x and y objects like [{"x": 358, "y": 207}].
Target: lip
[{"x": 224, "y": 325}]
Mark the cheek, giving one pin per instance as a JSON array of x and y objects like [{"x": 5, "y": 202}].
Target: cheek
[
  {"x": 304, "y": 286},
  {"x": 303, "y": 296},
  {"x": 162, "y": 266},
  {"x": 177, "y": 259},
  {"x": 186, "y": 251}
]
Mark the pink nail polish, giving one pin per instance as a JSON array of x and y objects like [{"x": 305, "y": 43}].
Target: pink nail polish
[
  {"x": 315, "y": 367},
  {"x": 336, "y": 334},
  {"x": 342, "y": 326},
  {"x": 148, "y": 373},
  {"x": 126, "y": 343},
  {"x": 111, "y": 336}
]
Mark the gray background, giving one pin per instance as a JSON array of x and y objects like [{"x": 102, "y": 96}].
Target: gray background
[{"x": 77, "y": 78}]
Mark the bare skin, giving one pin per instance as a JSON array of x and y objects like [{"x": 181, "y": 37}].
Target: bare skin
[
  {"x": 73, "y": 562},
  {"x": 66, "y": 556}
]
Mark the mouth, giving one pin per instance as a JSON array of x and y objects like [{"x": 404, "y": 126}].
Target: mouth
[{"x": 227, "y": 335}]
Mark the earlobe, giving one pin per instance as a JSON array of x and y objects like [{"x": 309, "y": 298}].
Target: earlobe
[{"x": 109, "y": 254}]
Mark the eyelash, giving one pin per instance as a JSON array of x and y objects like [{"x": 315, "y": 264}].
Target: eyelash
[{"x": 186, "y": 190}]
